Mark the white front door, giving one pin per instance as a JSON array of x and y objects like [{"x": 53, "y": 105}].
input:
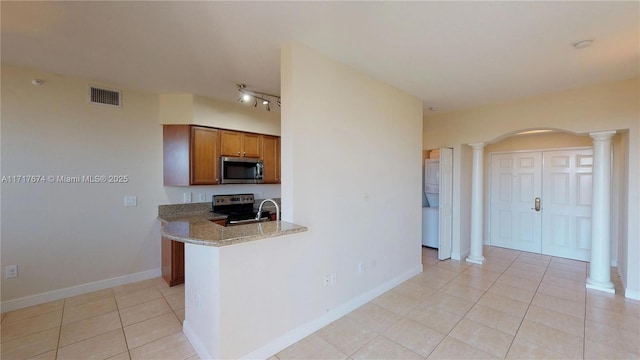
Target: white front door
[
  {"x": 566, "y": 218},
  {"x": 516, "y": 182},
  {"x": 541, "y": 202}
]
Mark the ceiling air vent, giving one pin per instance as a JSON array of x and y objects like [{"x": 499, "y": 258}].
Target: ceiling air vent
[{"x": 104, "y": 96}]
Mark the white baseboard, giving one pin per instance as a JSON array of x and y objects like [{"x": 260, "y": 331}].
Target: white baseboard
[
  {"x": 309, "y": 328},
  {"x": 459, "y": 256},
  {"x": 632, "y": 294},
  {"x": 42, "y": 298},
  {"x": 198, "y": 346}
]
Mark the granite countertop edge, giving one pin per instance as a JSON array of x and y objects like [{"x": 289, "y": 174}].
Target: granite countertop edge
[{"x": 200, "y": 230}]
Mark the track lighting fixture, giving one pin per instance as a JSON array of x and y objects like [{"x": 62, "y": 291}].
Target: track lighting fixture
[{"x": 246, "y": 95}]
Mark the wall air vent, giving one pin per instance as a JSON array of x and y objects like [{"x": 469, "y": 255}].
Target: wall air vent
[{"x": 105, "y": 97}]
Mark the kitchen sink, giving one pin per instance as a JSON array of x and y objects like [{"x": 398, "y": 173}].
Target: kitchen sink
[{"x": 245, "y": 222}]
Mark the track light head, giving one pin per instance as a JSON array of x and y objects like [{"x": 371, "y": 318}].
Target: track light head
[{"x": 246, "y": 95}]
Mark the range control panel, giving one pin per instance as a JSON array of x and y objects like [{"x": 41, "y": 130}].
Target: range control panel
[{"x": 221, "y": 200}]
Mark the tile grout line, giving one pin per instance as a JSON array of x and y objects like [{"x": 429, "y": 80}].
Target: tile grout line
[
  {"x": 64, "y": 306},
  {"x": 395, "y": 322},
  {"x": 36, "y": 332},
  {"x": 530, "y": 303},
  {"x": 89, "y": 338},
  {"x": 462, "y": 317},
  {"x": 486, "y": 291},
  {"x": 476, "y": 302},
  {"x": 126, "y": 343}
]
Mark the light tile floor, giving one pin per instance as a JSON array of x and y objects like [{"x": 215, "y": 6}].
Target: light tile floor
[
  {"x": 136, "y": 321},
  {"x": 517, "y": 305}
]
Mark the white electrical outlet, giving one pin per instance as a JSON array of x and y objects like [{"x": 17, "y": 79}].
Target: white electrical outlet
[
  {"x": 130, "y": 201},
  {"x": 327, "y": 280},
  {"x": 11, "y": 271},
  {"x": 198, "y": 300},
  {"x": 202, "y": 197},
  {"x": 187, "y": 197},
  {"x": 361, "y": 267}
]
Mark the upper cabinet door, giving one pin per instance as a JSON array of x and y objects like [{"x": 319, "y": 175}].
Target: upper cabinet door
[
  {"x": 230, "y": 143},
  {"x": 251, "y": 145},
  {"x": 204, "y": 157},
  {"x": 271, "y": 159},
  {"x": 239, "y": 144}
]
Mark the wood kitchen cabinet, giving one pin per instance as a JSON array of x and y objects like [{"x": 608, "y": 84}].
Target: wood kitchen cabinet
[
  {"x": 172, "y": 261},
  {"x": 221, "y": 222},
  {"x": 271, "y": 159},
  {"x": 204, "y": 156},
  {"x": 190, "y": 155},
  {"x": 240, "y": 144}
]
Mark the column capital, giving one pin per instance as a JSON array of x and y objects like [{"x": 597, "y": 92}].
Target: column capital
[
  {"x": 477, "y": 146},
  {"x": 602, "y": 135}
]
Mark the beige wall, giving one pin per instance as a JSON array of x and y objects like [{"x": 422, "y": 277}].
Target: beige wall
[
  {"x": 193, "y": 109},
  {"x": 334, "y": 145},
  {"x": 610, "y": 106},
  {"x": 72, "y": 238},
  {"x": 225, "y": 115},
  {"x": 544, "y": 141},
  {"x": 64, "y": 235}
]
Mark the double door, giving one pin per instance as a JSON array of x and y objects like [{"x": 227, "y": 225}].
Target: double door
[{"x": 540, "y": 202}]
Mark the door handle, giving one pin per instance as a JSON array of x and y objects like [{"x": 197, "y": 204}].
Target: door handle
[{"x": 537, "y": 204}]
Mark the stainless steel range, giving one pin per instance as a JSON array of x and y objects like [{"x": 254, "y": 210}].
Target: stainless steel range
[{"x": 238, "y": 208}]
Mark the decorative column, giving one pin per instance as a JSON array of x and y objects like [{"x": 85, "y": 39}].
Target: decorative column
[
  {"x": 600, "y": 265},
  {"x": 476, "y": 204}
]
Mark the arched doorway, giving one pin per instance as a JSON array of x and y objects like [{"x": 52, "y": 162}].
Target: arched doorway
[
  {"x": 600, "y": 208},
  {"x": 538, "y": 193}
]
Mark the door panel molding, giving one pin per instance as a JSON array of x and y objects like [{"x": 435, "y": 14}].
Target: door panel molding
[
  {"x": 563, "y": 180},
  {"x": 514, "y": 223}
]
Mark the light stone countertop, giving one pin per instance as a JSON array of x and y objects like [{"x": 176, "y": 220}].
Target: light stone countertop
[{"x": 197, "y": 228}]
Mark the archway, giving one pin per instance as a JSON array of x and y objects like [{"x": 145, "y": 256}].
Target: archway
[{"x": 601, "y": 203}]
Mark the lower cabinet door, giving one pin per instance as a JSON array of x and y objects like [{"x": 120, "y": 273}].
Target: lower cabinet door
[{"x": 172, "y": 261}]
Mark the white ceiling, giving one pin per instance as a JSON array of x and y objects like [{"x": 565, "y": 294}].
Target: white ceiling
[{"x": 449, "y": 54}]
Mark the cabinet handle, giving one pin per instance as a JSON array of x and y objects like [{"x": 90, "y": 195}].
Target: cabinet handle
[{"x": 238, "y": 152}]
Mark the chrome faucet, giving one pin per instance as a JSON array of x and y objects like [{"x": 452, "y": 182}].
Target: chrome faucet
[{"x": 259, "y": 214}]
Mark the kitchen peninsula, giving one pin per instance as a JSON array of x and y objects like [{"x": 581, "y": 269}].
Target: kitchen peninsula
[
  {"x": 201, "y": 229},
  {"x": 214, "y": 259}
]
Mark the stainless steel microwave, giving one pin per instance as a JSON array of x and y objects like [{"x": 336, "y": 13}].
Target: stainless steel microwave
[{"x": 235, "y": 170}]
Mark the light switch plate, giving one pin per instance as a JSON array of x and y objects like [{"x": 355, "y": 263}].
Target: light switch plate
[
  {"x": 202, "y": 197},
  {"x": 130, "y": 201},
  {"x": 11, "y": 271},
  {"x": 187, "y": 197}
]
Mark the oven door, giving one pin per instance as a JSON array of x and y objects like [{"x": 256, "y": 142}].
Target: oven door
[{"x": 235, "y": 170}]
